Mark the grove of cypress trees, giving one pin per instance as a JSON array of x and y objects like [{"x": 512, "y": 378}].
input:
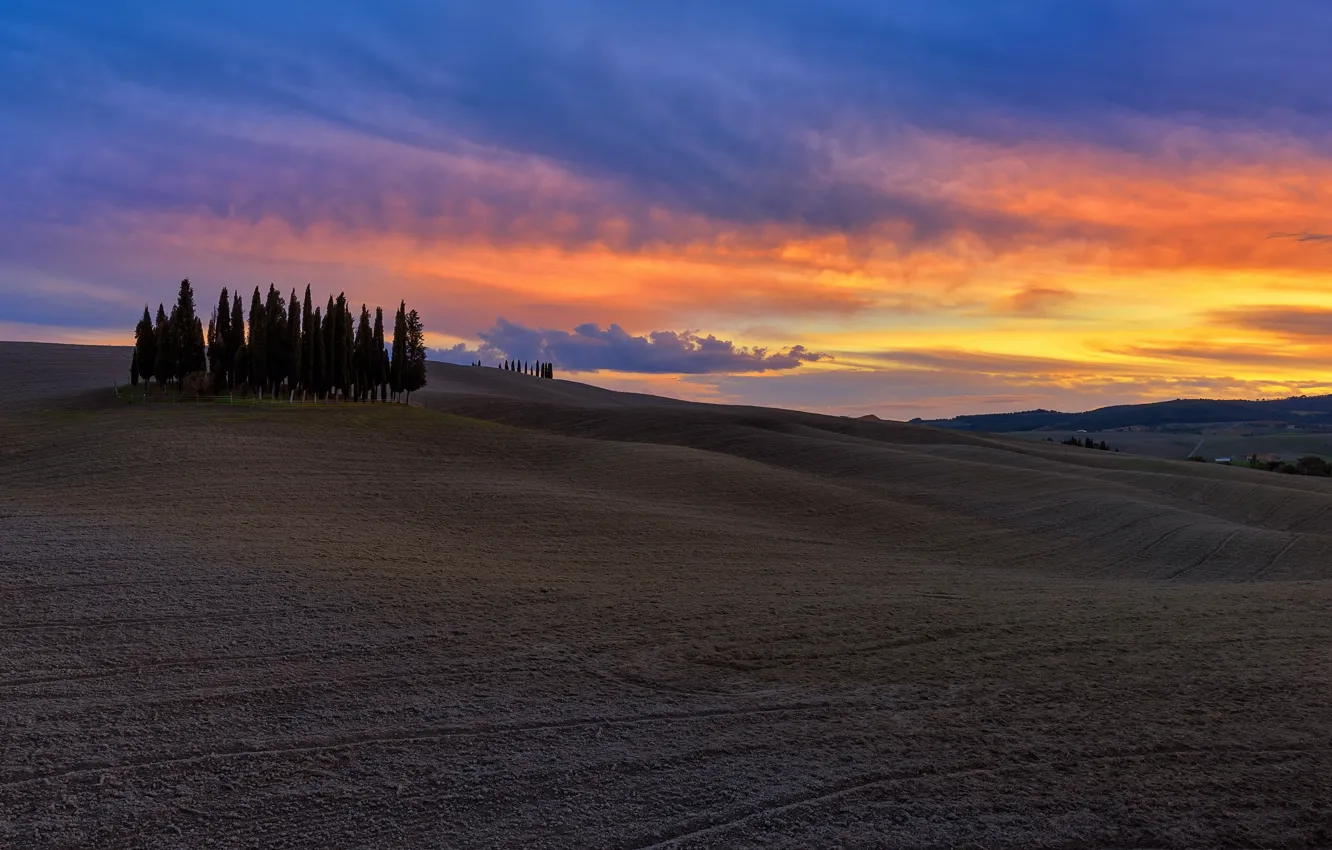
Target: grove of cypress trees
[{"x": 145, "y": 346}]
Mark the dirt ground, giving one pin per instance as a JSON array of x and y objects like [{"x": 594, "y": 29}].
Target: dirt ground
[{"x": 536, "y": 614}]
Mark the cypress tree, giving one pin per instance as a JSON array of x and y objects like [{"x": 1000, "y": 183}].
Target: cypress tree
[
  {"x": 327, "y": 332},
  {"x": 275, "y": 337},
  {"x": 383, "y": 370},
  {"x": 224, "y": 350},
  {"x": 378, "y": 373},
  {"x": 164, "y": 366},
  {"x": 399, "y": 363},
  {"x": 309, "y": 331},
  {"x": 237, "y": 338},
  {"x": 363, "y": 350},
  {"x": 414, "y": 376},
  {"x": 337, "y": 347},
  {"x": 316, "y": 333},
  {"x": 188, "y": 331},
  {"x": 145, "y": 346},
  {"x": 348, "y": 351},
  {"x": 293, "y": 342},
  {"x": 134, "y": 366},
  {"x": 257, "y": 345}
]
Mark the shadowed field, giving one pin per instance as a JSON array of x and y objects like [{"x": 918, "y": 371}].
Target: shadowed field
[{"x": 540, "y": 614}]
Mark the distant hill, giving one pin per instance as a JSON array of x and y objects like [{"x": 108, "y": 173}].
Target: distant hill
[{"x": 1304, "y": 411}]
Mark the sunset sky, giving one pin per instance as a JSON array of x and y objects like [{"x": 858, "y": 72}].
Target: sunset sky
[{"x": 915, "y": 208}]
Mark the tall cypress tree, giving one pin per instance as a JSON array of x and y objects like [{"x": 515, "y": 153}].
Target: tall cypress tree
[
  {"x": 378, "y": 374},
  {"x": 258, "y": 344},
  {"x": 237, "y": 340},
  {"x": 348, "y": 351},
  {"x": 275, "y": 336},
  {"x": 399, "y": 362},
  {"x": 223, "y": 331},
  {"x": 336, "y": 355},
  {"x": 190, "y": 354},
  {"x": 145, "y": 346},
  {"x": 164, "y": 366},
  {"x": 293, "y": 342},
  {"x": 414, "y": 375},
  {"x": 365, "y": 339},
  {"x": 318, "y": 383},
  {"x": 309, "y": 331}
]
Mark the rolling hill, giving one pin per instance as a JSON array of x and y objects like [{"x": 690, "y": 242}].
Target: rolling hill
[{"x": 537, "y": 613}]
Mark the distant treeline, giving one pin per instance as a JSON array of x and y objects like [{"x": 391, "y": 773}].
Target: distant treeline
[
  {"x": 536, "y": 368},
  {"x": 1088, "y": 443},
  {"x": 285, "y": 345}
]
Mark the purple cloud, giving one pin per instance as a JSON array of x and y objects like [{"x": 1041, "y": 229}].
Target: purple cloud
[{"x": 590, "y": 348}]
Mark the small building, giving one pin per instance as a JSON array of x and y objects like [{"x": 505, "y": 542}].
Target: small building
[{"x": 1223, "y": 460}]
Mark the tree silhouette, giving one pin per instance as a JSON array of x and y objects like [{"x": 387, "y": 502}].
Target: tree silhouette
[
  {"x": 326, "y": 330},
  {"x": 145, "y": 347},
  {"x": 414, "y": 377},
  {"x": 399, "y": 362},
  {"x": 318, "y": 367},
  {"x": 237, "y": 340},
  {"x": 225, "y": 353},
  {"x": 362, "y": 346},
  {"x": 164, "y": 365},
  {"x": 293, "y": 342},
  {"x": 275, "y": 338},
  {"x": 378, "y": 372},
  {"x": 190, "y": 354},
  {"x": 309, "y": 332},
  {"x": 258, "y": 344},
  {"x": 134, "y": 366}
]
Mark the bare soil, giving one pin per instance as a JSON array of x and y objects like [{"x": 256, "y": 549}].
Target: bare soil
[{"x": 538, "y": 614}]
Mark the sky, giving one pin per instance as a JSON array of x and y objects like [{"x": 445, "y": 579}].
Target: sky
[{"x": 914, "y": 209}]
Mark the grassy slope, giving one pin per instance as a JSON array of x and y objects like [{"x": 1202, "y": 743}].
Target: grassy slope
[{"x": 538, "y": 611}]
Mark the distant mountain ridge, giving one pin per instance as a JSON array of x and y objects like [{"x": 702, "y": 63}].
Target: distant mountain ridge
[{"x": 1305, "y": 411}]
